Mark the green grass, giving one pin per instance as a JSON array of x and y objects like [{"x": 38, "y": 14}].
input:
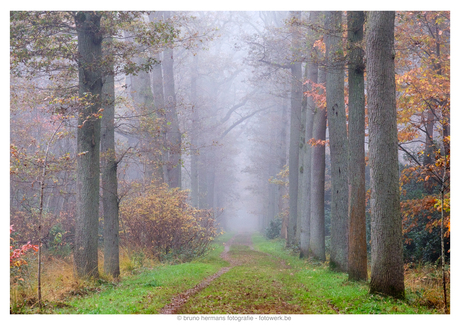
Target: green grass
[
  {"x": 267, "y": 280},
  {"x": 254, "y": 287},
  {"x": 314, "y": 283},
  {"x": 148, "y": 292}
]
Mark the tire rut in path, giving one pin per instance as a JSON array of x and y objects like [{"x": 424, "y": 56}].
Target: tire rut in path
[{"x": 178, "y": 301}]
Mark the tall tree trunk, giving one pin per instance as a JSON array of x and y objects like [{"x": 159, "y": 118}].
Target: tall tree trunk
[
  {"x": 301, "y": 174},
  {"x": 144, "y": 102},
  {"x": 302, "y": 204},
  {"x": 88, "y": 142},
  {"x": 202, "y": 179},
  {"x": 282, "y": 148},
  {"x": 272, "y": 188},
  {"x": 357, "y": 247},
  {"x": 194, "y": 134},
  {"x": 159, "y": 101},
  {"x": 173, "y": 134},
  {"x": 337, "y": 140},
  {"x": 311, "y": 74},
  {"x": 296, "y": 107},
  {"x": 210, "y": 180},
  {"x": 318, "y": 170},
  {"x": 109, "y": 180},
  {"x": 387, "y": 269}
]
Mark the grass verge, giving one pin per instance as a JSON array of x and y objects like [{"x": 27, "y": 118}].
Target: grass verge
[
  {"x": 314, "y": 283},
  {"x": 144, "y": 290}
]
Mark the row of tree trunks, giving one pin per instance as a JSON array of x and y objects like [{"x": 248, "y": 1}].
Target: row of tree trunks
[
  {"x": 99, "y": 94},
  {"x": 348, "y": 222}
]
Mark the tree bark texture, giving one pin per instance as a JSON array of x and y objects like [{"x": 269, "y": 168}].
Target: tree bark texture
[
  {"x": 387, "y": 272},
  {"x": 173, "y": 135},
  {"x": 109, "y": 180},
  {"x": 88, "y": 142},
  {"x": 335, "y": 98},
  {"x": 318, "y": 170},
  {"x": 357, "y": 247},
  {"x": 296, "y": 107}
]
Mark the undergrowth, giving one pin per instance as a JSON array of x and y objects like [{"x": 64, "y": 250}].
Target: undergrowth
[{"x": 63, "y": 293}]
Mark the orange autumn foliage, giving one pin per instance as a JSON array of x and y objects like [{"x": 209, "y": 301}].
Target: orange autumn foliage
[
  {"x": 159, "y": 219},
  {"x": 422, "y": 43}
]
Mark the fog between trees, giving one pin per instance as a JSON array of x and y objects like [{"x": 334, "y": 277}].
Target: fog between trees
[{"x": 260, "y": 116}]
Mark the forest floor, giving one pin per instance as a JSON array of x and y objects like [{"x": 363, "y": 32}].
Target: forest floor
[{"x": 244, "y": 274}]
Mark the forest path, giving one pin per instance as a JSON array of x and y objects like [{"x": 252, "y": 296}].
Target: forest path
[
  {"x": 178, "y": 301},
  {"x": 259, "y": 277},
  {"x": 252, "y": 284}
]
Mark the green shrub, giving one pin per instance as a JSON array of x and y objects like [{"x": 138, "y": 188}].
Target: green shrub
[{"x": 274, "y": 229}]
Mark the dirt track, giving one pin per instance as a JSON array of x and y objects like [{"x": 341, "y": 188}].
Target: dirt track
[{"x": 179, "y": 300}]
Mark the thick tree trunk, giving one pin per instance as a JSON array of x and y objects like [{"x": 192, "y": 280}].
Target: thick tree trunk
[
  {"x": 296, "y": 107},
  {"x": 357, "y": 247},
  {"x": 337, "y": 140},
  {"x": 318, "y": 169},
  {"x": 173, "y": 134},
  {"x": 387, "y": 269},
  {"x": 109, "y": 180},
  {"x": 88, "y": 142}
]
